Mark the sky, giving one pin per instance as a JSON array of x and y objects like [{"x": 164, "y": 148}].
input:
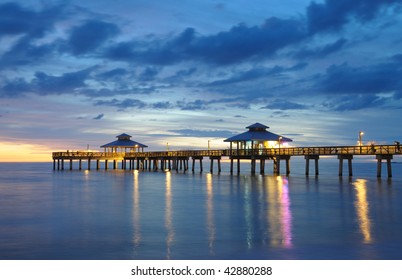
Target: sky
[{"x": 75, "y": 74}]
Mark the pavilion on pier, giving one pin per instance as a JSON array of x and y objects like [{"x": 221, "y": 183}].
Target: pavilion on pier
[
  {"x": 124, "y": 144},
  {"x": 257, "y": 137}
]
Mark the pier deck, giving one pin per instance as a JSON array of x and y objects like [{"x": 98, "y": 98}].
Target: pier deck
[{"x": 179, "y": 159}]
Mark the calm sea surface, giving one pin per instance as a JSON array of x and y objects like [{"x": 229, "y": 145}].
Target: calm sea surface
[{"x": 115, "y": 214}]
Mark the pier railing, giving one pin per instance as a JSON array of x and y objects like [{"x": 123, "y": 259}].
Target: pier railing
[
  {"x": 88, "y": 155},
  {"x": 322, "y": 151}
]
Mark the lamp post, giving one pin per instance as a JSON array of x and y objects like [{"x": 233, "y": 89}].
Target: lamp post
[
  {"x": 360, "y": 138},
  {"x": 279, "y": 143},
  {"x": 167, "y": 146},
  {"x": 209, "y": 145}
]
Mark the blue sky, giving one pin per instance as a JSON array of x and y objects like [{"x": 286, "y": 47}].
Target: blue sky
[{"x": 77, "y": 73}]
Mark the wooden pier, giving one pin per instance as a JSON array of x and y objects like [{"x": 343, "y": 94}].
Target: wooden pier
[{"x": 179, "y": 160}]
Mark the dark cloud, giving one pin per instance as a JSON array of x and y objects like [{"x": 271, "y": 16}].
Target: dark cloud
[
  {"x": 91, "y": 35},
  {"x": 279, "y": 104},
  {"x": 112, "y": 74},
  {"x": 26, "y": 53},
  {"x": 98, "y": 117},
  {"x": 371, "y": 79},
  {"x": 332, "y": 15},
  {"x": 242, "y": 42},
  {"x": 181, "y": 75},
  {"x": 149, "y": 74},
  {"x": 321, "y": 52},
  {"x": 17, "y": 20},
  {"x": 257, "y": 73},
  {"x": 193, "y": 105},
  {"x": 238, "y": 44},
  {"x": 122, "y": 104},
  {"x": 15, "y": 88},
  {"x": 29, "y": 25},
  {"x": 162, "y": 105},
  {"x": 355, "y": 102},
  {"x": 44, "y": 84}
]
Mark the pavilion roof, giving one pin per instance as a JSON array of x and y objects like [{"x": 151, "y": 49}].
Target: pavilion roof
[
  {"x": 257, "y": 132},
  {"x": 123, "y": 140}
]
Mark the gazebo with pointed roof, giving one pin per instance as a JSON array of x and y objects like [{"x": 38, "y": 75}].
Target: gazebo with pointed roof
[
  {"x": 125, "y": 144},
  {"x": 257, "y": 137}
]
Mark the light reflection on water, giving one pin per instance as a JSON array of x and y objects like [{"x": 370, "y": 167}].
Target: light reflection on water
[
  {"x": 210, "y": 215},
  {"x": 362, "y": 209},
  {"x": 136, "y": 211},
  {"x": 164, "y": 215},
  {"x": 169, "y": 216}
]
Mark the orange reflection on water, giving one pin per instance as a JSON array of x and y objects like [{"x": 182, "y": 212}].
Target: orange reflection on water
[
  {"x": 279, "y": 213},
  {"x": 168, "y": 215},
  {"x": 362, "y": 209}
]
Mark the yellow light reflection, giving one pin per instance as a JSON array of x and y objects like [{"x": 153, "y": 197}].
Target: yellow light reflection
[
  {"x": 279, "y": 213},
  {"x": 169, "y": 215},
  {"x": 136, "y": 211},
  {"x": 362, "y": 209},
  {"x": 210, "y": 215},
  {"x": 248, "y": 215}
]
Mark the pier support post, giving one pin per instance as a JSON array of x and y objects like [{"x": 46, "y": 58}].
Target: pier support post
[
  {"x": 54, "y": 164},
  {"x": 97, "y": 164},
  {"x": 106, "y": 164},
  {"x": 200, "y": 159},
  {"x": 388, "y": 158},
  {"x": 80, "y": 164},
  {"x": 262, "y": 166},
  {"x": 277, "y": 165},
  {"x": 315, "y": 158},
  {"x": 253, "y": 160},
  {"x": 71, "y": 164},
  {"x": 212, "y": 158},
  {"x": 349, "y": 158}
]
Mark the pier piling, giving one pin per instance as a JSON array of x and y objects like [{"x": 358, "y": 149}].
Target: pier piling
[
  {"x": 388, "y": 158},
  {"x": 349, "y": 158}
]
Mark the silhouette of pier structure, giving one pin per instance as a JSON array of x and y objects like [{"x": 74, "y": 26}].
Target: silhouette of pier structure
[{"x": 256, "y": 146}]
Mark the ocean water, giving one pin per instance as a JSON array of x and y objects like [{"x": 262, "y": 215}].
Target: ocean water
[{"x": 116, "y": 214}]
